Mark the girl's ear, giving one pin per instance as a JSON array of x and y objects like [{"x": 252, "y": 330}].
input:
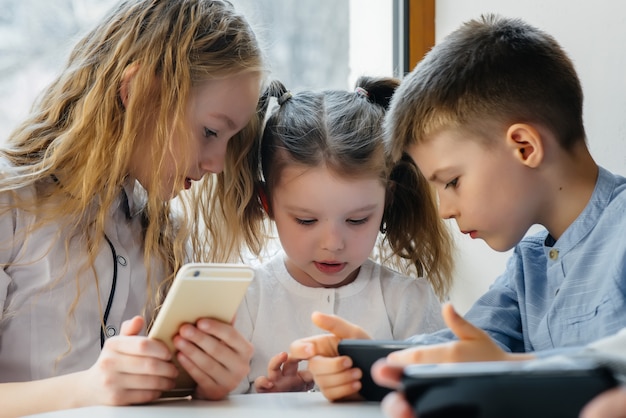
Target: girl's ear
[
  {"x": 389, "y": 196},
  {"x": 263, "y": 198},
  {"x": 526, "y": 143},
  {"x": 125, "y": 85}
]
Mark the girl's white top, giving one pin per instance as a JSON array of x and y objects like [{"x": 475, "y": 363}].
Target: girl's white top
[
  {"x": 45, "y": 328},
  {"x": 277, "y": 309}
]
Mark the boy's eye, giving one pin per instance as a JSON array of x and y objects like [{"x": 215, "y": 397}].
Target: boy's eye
[
  {"x": 357, "y": 221},
  {"x": 452, "y": 183},
  {"x": 209, "y": 133},
  {"x": 305, "y": 221}
]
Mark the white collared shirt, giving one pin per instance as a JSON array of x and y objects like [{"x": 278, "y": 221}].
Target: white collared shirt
[{"x": 44, "y": 329}]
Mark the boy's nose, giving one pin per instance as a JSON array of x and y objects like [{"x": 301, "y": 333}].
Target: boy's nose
[{"x": 446, "y": 209}]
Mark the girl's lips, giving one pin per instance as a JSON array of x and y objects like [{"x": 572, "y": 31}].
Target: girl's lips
[{"x": 329, "y": 268}]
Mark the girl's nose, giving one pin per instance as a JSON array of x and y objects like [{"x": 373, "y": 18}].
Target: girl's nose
[
  {"x": 333, "y": 239},
  {"x": 214, "y": 158}
]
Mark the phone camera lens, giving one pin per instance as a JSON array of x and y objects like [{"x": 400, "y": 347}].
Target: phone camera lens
[{"x": 196, "y": 273}]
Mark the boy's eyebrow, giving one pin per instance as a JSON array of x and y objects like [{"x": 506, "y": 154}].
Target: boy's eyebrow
[{"x": 435, "y": 177}]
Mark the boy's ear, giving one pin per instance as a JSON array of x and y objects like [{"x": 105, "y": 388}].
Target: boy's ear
[
  {"x": 527, "y": 144},
  {"x": 127, "y": 77}
]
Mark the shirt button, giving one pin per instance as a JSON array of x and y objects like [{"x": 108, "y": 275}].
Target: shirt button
[
  {"x": 111, "y": 331},
  {"x": 554, "y": 254},
  {"x": 122, "y": 260}
]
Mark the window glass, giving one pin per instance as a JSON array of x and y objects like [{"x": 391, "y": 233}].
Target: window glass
[
  {"x": 323, "y": 43},
  {"x": 309, "y": 43},
  {"x": 35, "y": 38}
]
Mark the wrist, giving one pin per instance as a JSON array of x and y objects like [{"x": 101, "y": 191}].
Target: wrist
[{"x": 519, "y": 357}]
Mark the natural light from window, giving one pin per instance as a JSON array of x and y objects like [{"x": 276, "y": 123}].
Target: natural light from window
[{"x": 310, "y": 44}]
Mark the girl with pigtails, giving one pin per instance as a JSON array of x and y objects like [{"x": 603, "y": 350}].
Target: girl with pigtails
[
  {"x": 138, "y": 145},
  {"x": 359, "y": 238}
]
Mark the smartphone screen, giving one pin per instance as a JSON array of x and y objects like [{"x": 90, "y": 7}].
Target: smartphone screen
[{"x": 503, "y": 389}]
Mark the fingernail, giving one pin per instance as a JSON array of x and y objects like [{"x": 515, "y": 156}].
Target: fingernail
[{"x": 308, "y": 348}]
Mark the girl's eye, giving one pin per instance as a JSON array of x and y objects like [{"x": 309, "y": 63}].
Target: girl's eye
[
  {"x": 305, "y": 221},
  {"x": 357, "y": 221},
  {"x": 209, "y": 133},
  {"x": 453, "y": 183}
]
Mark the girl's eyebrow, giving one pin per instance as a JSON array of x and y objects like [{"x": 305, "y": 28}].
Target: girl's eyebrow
[
  {"x": 366, "y": 207},
  {"x": 229, "y": 121},
  {"x": 307, "y": 210}
]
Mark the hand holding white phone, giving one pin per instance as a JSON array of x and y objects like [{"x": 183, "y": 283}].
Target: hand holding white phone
[{"x": 200, "y": 290}]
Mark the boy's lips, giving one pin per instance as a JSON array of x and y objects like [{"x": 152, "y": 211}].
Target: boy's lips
[{"x": 472, "y": 234}]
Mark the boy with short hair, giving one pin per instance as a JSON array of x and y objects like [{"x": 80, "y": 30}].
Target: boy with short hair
[{"x": 492, "y": 117}]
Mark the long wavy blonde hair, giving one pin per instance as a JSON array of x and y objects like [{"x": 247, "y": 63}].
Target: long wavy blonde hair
[{"x": 82, "y": 135}]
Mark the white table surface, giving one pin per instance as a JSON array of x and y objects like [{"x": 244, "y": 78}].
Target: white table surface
[{"x": 300, "y": 404}]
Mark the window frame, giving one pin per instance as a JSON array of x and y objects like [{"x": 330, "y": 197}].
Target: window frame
[{"x": 414, "y": 33}]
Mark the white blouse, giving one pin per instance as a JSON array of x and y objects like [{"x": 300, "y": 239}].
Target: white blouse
[
  {"x": 277, "y": 309},
  {"x": 45, "y": 330}
]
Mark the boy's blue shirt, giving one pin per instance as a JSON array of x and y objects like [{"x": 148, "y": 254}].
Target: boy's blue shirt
[{"x": 568, "y": 293}]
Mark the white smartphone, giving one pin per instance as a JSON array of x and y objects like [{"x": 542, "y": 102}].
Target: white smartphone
[{"x": 200, "y": 290}]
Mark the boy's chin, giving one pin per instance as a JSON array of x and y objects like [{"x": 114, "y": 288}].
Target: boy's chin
[{"x": 500, "y": 245}]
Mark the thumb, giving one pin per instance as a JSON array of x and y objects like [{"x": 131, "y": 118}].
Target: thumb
[
  {"x": 325, "y": 344},
  {"x": 132, "y": 326},
  {"x": 341, "y": 328},
  {"x": 459, "y": 326},
  {"x": 386, "y": 374}
]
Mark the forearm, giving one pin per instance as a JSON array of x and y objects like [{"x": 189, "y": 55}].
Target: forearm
[{"x": 56, "y": 393}]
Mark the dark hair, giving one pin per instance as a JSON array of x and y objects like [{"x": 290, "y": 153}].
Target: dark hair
[
  {"x": 339, "y": 128},
  {"x": 491, "y": 70},
  {"x": 343, "y": 130}
]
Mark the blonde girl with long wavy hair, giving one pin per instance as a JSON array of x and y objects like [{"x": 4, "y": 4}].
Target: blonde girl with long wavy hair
[{"x": 136, "y": 159}]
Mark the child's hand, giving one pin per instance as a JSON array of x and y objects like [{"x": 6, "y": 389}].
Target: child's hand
[
  {"x": 473, "y": 345},
  {"x": 215, "y": 355},
  {"x": 394, "y": 405},
  {"x": 609, "y": 404},
  {"x": 333, "y": 374},
  {"x": 131, "y": 369},
  {"x": 283, "y": 376}
]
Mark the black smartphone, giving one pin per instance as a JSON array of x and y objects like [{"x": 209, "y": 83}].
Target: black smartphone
[
  {"x": 503, "y": 389},
  {"x": 363, "y": 354}
]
